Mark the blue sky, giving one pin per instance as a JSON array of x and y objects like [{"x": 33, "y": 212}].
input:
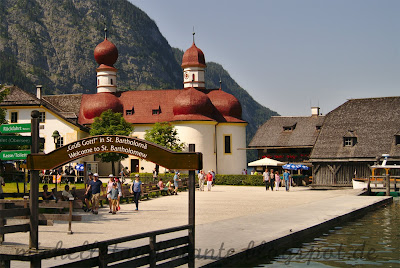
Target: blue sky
[{"x": 292, "y": 54}]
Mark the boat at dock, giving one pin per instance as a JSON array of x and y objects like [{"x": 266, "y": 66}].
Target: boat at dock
[{"x": 378, "y": 180}]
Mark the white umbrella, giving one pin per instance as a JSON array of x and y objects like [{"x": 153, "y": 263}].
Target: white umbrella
[{"x": 265, "y": 162}]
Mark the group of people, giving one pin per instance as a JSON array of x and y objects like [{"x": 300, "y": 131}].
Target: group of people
[
  {"x": 272, "y": 179},
  {"x": 170, "y": 187},
  {"x": 114, "y": 192},
  {"x": 210, "y": 177}
]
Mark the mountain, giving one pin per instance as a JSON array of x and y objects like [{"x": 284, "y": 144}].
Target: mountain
[{"x": 51, "y": 42}]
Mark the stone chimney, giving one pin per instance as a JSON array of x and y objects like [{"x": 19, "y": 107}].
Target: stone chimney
[
  {"x": 314, "y": 111},
  {"x": 39, "y": 92}
]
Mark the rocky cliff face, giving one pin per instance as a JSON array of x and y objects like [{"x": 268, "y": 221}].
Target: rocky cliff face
[{"x": 52, "y": 42}]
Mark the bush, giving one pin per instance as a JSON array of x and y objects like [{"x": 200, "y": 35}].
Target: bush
[{"x": 252, "y": 180}]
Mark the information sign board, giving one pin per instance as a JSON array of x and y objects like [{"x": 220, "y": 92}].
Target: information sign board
[
  {"x": 15, "y": 128},
  {"x": 14, "y": 155}
]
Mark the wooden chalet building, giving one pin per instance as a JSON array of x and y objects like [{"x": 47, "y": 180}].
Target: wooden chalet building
[
  {"x": 288, "y": 138},
  {"x": 353, "y": 137}
]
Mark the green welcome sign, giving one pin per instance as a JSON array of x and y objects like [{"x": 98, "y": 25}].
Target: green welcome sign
[
  {"x": 14, "y": 155},
  {"x": 15, "y": 128}
]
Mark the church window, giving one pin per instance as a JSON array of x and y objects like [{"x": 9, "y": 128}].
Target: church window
[
  {"x": 227, "y": 144},
  {"x": 14, "y": 117},
  {"x": 193, "y": 78},
  {"x": 111, "y": 81},
  {"x": 156, "y": 111}
]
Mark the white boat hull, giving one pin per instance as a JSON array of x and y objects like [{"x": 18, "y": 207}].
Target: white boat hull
[{"x": 364, "y": 184}]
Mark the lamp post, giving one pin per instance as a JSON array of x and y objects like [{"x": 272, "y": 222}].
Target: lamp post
[{"x": 56, "y": 136}]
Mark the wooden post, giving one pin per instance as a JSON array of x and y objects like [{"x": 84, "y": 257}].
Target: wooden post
[
  {"x": 153, "y": 252},
  {"x": 369, "y": 186},
  {"x": 2, "y": 206},
  {"x": 387, "y": 183},
  {"x": 5, "y": 264},
  {"x": 192, "y": 186},
  {"x": 34, "y": 186},
  {"x": 103, "y": 251},
  {"x": 71, "y": 206}
]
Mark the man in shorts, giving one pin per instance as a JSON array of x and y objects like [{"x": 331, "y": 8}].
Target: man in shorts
[{"x": 96, "y": 186}]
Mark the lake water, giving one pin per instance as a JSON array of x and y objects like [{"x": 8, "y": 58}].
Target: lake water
[{"x": 371, "y": 241}]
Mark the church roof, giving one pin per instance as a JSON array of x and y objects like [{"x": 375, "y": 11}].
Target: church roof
[
  {"x": 193, "y": 57},
  {"x": 151, "y": 106}
]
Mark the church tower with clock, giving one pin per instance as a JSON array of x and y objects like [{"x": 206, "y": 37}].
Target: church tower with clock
[{"x": 193, "y": 65}]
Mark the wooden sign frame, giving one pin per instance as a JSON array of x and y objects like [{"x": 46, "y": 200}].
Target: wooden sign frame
[{"x": 116, "y": 144}]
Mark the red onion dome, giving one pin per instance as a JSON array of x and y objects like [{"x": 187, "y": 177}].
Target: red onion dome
[
  {"x": 226, "y": 103},
  {"x": 106, "y": 53},
  {"x": 193, "y": 57},
  {"x": 192, "y": 101},
  {"x": 100, "y": 102}
]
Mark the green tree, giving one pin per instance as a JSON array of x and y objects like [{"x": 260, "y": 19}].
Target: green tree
[
  {"x": 3, "y": 94},
  {"x": 166, "y": 135},
  {"x": 110, "y": 123}
]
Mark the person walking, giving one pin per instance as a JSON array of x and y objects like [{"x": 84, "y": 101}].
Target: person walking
[
  {"x": 213, "y": 177},
  {"x": 155, "y": 175},
  {"x": 201, "y": 177},
  {"x": 286, "y": 176},
  {"x": 176, "y": 182},
  {"x": 109, "y": 188},
  {"x": 209, "y": 180},
  {"x": 114, "y": 197},
  {"x": 96, "y": 186},
  {"x": 266, "y": 179},
  {"x": 136, "y": 189},
  {"x": 271, "y": 179},
  {"x": 119, "y": 186},
  {"x": 88, "y": 194},
  {"x": 277, "y": 180}
]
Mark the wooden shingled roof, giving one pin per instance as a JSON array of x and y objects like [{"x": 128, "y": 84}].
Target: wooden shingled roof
[
  {"x": 374, "y": 122},
  {"x": 282, "y": 131}
]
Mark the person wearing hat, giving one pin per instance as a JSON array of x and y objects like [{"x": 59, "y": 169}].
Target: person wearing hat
[
  {"x": 176, "y": 184},
  {"x": 136, "y": 188},
  {"x": 109, "y": 188},
  {"x": 96, "y": 186}
]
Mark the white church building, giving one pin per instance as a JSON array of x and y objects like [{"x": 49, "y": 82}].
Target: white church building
[{"x": 208, "y": 120}]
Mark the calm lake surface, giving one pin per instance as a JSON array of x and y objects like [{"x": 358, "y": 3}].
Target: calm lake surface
[{"x": 371, "y": 241}]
